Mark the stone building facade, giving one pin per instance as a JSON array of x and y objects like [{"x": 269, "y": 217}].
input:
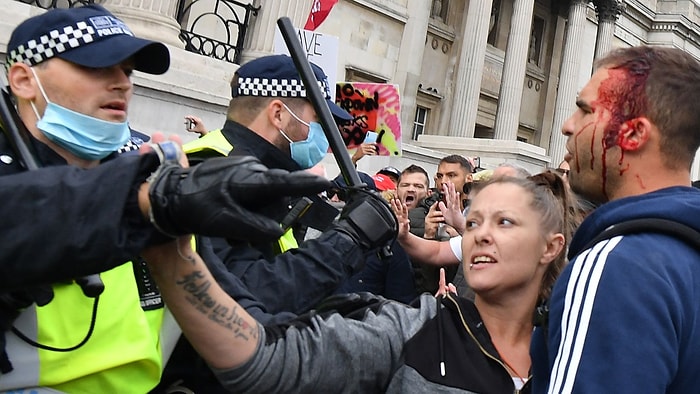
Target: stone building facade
[{"x": 489, "y": 78}]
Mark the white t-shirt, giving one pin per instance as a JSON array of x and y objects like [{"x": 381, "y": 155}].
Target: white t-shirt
[
  {"x": 519, "y": 383},
  {"x": 456, "y": 246}
]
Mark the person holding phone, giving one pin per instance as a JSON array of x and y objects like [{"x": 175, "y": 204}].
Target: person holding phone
[
  {"x": 368, "y": 147},
  {"x": 194, "y": 124}
]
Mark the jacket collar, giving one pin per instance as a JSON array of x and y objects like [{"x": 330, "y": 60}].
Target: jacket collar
[{"x": 248, "y": 143}]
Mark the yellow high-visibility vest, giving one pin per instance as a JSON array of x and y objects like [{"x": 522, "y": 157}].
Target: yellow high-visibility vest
[
  {"x": 124, "y": 353},
  {"x": 212, "y": 141}
]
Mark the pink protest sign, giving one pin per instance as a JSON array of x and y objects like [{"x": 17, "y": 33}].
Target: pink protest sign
[{"x": 375, "y": 107}]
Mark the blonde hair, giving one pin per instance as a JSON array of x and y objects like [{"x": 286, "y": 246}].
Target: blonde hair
[{"x": 552, "y": 201}]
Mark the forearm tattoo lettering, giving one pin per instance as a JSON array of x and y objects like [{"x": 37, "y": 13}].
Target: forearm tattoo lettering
[{"x": 198, "y": 289}]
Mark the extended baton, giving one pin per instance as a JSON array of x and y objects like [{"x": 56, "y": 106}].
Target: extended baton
[{"x": 314, "y": 94}]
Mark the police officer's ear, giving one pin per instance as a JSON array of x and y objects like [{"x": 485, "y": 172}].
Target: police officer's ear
[
  {"x": 22, "y": 82},
  {"x": 276, "y": 114}
]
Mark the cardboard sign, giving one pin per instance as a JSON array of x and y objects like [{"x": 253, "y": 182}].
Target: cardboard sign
[{"x": 321, "y": 49}]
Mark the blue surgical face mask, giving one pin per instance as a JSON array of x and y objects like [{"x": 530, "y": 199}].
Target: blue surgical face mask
[
  {"x": 313, "y": 149},
  {"x": 84, "y": 136}
]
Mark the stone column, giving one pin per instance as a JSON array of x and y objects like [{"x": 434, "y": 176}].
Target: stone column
[
  {"x": 154, "y": 19},
  {"x": 260, "y": 37},
  {"x": 514, "y": 68},
  {"x": 608, "y": 11},
  {"x": 465, "y": 102},
  {"x": 409, "y": 64},
  {"x": 568, "y": 78}
]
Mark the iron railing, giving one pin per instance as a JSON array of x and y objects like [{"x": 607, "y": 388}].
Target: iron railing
[
  {"x": 213, "y": 28},
  {"x": 48, "y": 4},
  {"x": 217, "y": 31}
]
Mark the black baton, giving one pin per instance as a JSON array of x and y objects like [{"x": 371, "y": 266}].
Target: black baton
[
  {"x": 330, "y": 128},
  {"x": 314, "y": 94}
]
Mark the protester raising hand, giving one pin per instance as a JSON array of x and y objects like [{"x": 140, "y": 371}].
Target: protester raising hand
[
  {"x": 401, "y": 211},
  {"x": 445, "y": 288},
  {"x": 451, "y": 207},
  {"x": 194, "y": 124}
]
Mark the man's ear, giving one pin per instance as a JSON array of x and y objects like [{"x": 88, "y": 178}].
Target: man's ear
[
  {"x": 277, "y": 114},
  {"x": 21, "y": 81},
  {"x": 634, "y": 133}
]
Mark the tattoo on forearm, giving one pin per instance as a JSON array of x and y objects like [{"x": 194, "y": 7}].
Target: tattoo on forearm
[{"x": 198, "y": 288}]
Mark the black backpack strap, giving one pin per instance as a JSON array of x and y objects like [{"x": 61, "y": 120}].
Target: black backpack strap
[{"x": 675, "y": 229}]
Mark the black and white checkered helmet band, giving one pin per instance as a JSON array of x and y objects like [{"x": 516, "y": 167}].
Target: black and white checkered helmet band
[
  {"x": 51, "y": 44},
  {"x": 264, "y": 87}
]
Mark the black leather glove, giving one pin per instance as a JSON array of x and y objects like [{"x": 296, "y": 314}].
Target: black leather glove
[
  {"x": 225, "y": 197},
  {"x": 368, "y": 220}
]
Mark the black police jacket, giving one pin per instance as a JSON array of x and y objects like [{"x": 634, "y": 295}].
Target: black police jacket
[{"x": 62, "y": 222}]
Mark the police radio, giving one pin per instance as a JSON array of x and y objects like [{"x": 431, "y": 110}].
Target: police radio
[{"x": 18, "y": 137}]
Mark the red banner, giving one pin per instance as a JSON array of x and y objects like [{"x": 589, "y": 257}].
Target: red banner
[{"x": 319, "y": 11}]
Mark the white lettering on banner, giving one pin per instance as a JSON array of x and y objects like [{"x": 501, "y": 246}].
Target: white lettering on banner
[{"x": 316, "y": 7}]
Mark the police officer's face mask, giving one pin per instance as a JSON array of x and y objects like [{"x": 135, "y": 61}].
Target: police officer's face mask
[
  {"x": 84, "y": 136},
  {"x": 312, "y": 150}
]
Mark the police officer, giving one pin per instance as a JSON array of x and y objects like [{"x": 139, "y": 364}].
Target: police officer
[
  {"x": 69, "y": 73},
  {"x": 271, "y": 118}
]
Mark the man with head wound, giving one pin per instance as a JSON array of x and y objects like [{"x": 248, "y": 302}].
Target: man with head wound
[{"x": 624, "y": 315}]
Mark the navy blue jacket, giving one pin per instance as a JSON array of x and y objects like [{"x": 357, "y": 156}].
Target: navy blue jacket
[{"x": 624, "y": 315}]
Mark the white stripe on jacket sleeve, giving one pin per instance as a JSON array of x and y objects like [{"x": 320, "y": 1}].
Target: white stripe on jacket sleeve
[{"x": 581, "y": 291}]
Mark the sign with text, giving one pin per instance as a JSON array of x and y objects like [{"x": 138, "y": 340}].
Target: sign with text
[
  {"x": 321, "y": 49},
  {"x": 375, "y": 107}
]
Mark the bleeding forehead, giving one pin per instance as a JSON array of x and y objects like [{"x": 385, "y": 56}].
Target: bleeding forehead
[{"x": 603, "y": 82}]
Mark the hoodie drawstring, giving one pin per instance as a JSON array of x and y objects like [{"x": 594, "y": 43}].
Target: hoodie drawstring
[{"x": 440, "y": 339}]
